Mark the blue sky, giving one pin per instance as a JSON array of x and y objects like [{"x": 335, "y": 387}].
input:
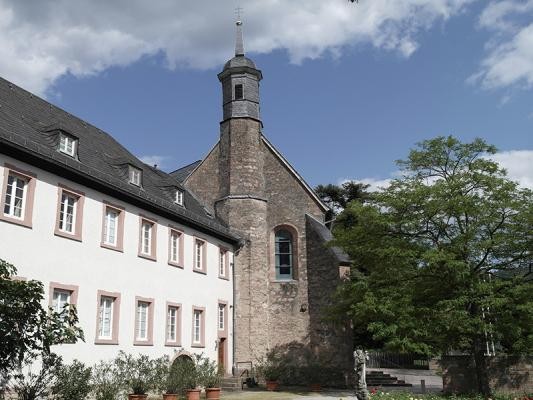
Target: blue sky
[{"x": 338, "y": 103}]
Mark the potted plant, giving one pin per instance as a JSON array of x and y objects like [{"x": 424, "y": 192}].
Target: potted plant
[
  {"x": 173, "y": 378},
  {"x": 313, "y": 374},
  {"x": 190, "y": 376},
  {"x": 269, "y": 368},
  {"x": 209, "y": 377},
  {"x": 105, "y": 381},
  {"x": 139, "y": 375}
]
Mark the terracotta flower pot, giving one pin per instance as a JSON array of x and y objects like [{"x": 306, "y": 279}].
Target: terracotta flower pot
[
  {"x": 137, "y": 396},
  {"x": 272, "y": 385},
  {"x": 212, "y": 393},
  {"x": 193, "y": 394},
  {"x": 315, "y": 387},
  {"x": 169, "y": 396}
]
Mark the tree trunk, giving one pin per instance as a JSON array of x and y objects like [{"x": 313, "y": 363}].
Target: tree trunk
[{"x": 481, "y": 367}]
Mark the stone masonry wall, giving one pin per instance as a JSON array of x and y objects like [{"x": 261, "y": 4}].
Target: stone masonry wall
[
  {"x": 506, "y": 374},
  {"x": 288, "y": 202},
  {"x": 333, "y": 341},
  {"x": 204, "y": 181}
]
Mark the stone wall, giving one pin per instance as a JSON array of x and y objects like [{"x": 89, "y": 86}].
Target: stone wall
[
  {"x": 506, "y": 373},
  {"x": 334, "y": 340}
]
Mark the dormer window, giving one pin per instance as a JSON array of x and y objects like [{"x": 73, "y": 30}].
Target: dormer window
[
  {"x": 179, "y": 197},
  {"x": 67, "y": 145},
  {"x": 135, "y": 176},
  {"x": 239, "y": 92}
]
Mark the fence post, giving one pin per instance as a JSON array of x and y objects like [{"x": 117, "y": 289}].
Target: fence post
[{"x": 423, "y": 385}]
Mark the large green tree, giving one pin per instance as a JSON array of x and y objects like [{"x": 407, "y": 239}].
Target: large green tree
[
  {"x": 337, "y": 197},
  {"x": 442, "y": 257}
]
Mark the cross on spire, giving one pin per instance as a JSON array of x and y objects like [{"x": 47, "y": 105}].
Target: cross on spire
[{"x": 239, "y": 44}]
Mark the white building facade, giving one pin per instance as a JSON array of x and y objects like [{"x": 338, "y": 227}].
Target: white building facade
[{"x": 147, "y": 267}]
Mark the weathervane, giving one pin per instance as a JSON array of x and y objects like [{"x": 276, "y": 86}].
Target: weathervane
[{"x": 238, "y": 12}]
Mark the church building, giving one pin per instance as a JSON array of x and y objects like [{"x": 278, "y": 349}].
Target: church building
[{"x": 227, "y": 256}]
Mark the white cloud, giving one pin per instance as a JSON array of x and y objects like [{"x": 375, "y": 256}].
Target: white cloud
[
  {"x": 375, "y": 183},
  {"x": 510, "y": 52},
  {"x": 43, "y": 40},
  {"x": 519, "y": 165},
  {"x": 160, "y": 161}
]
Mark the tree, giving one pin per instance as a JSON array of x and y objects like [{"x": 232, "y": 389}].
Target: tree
[
  {"x": 337, "y": 197},
  {"x": 442, "y": 257},
  {"x": 27, "y": 330}
]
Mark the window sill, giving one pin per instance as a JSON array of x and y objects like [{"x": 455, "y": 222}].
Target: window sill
[
  {"x": 66, "y": 235},
  {"x": 15, "y": 221},
  {"x": 148, "y": 343},
  {"x": 225, "y": 278},
  {"x": 284, "y": 281},
  {"x": 198, "y": 346},
  {"x": 111, "y": 247},
  {"x": 199, "y": 271},
  {"x": 106, "y": 341},
  {"x": 175, "y": 264},
  {"x": 172, "y": 344},
  {"x": 147, "y": 257}
]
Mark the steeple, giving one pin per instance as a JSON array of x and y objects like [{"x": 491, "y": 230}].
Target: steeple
[
  {"x": 239, "y": 44},
  {"x": 240, "y": 83}
]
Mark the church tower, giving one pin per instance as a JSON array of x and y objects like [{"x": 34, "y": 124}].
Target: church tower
[
  {"x": 283, "y": 274},
  {"x": 242, "y": 203}
]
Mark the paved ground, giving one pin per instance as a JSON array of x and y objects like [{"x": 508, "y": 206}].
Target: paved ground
[{"x": 256, "y": 395}]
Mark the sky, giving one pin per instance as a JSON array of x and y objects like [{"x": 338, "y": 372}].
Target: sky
[{"x": 348, "y": 88}]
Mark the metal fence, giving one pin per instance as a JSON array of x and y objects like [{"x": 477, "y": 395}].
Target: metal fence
[{"x": 378, "y": 359}]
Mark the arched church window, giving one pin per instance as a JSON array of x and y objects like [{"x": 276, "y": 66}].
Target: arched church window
[{"x": 284, "y": 255}]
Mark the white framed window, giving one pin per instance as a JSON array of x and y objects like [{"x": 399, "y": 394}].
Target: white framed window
[
  {"x": 111, "y": 226},
  {"x": 60, "y": 299},
  {"x": 67, "y": 213},
  {"x": 141, "y": 331},
  {"x": 67, "y": 145},
  {"x": 146, "y": 232},
  {"x": 199, "y": 255},
  {"x": 135, "y": 175},
  {"x": 172, "y": 324},
  {"x": 179, "y": 197},
  {"x": 174, "y": 246},
  {"x": 15, "y": 197},
  {"x": 222, "y": 263},
  {"x": 197, "y": 327},
  {"x": 105, "y": 313},
  {"x": 221, "y": 317}
]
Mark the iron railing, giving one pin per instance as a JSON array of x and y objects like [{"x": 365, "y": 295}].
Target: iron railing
[{"x": 379, "y": 359}]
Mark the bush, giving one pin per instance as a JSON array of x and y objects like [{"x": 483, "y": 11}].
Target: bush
[
  {"x": 181, "y": 375},
  {"x": 105, "y": 381},
  {"x": 73, "y": 381},
  {"x": 207, "y": 371},
  {"x": 31, "y": 386},
  {"x": 137, "y": 374}
]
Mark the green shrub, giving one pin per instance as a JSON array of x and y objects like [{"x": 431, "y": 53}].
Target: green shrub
[
  {"x": 138, "y": 374},
  {"x": 105, "y": 381},
  {"x": 31, "y": 386},
  {"x": 73, "y": 381}
]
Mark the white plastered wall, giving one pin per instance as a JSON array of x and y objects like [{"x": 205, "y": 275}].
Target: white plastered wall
[{"x": 39, "y": 254}]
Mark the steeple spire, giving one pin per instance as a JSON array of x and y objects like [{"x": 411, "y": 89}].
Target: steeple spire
[{"x": 239, "y": 46}]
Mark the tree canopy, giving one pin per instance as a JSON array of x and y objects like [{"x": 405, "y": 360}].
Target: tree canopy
[
  {"x": 337, "y": 197},
  {"x": 442, "y": 257}
]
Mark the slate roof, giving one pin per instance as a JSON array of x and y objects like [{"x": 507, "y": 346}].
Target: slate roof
[
  {"x": 181, "y": 173},
  {"x": 325, "y": 234},
  {"x": 29, "y": 127}
]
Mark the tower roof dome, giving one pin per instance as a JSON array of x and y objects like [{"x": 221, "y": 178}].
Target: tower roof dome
[{"x": 240, "y": 61}]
